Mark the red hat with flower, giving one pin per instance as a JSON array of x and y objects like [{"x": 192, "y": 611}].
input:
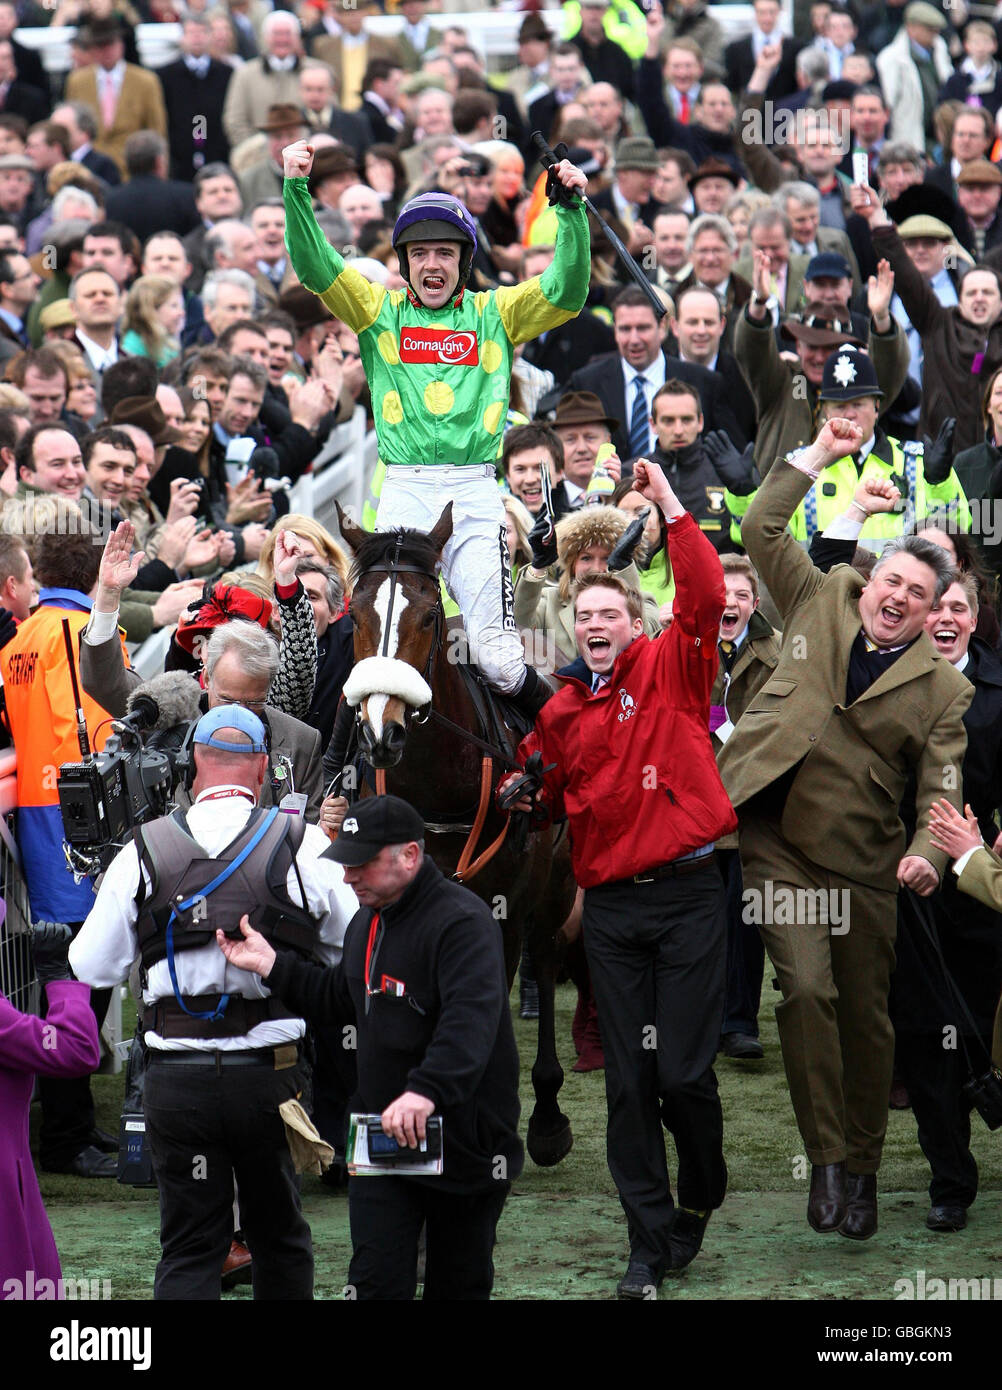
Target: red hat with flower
[{"x": 221, "y": 603}]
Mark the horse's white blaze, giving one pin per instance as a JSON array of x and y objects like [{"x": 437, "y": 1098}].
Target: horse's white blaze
[
  {"x": 376, "y": 708},
  {"x": 389, "y": 618},
  {"x": 377, "y": 679}
]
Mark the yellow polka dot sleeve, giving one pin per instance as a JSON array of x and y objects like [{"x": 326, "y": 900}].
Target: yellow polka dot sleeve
[
  {"x": 548, "y": 300},
  {"x": 346, "y": 293}
]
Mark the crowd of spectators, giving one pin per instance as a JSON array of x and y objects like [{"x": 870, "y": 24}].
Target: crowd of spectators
[{"x": 817, "y": 209}]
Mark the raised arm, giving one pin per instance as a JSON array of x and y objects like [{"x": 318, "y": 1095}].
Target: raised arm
[
  {"x": 548, "y": 300},
  {"x": 755, "y": 344},
  {"x": 765, "y": 170},
  {"x": 348, "y": 295},
  {"x": 915, "y": 292},
  {"x": 658, "y": 116},
  {"x": 699, "y": 579},
  {"x": 789, "y": 574}
]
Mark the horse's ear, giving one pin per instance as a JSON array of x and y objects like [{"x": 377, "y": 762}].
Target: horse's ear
[
  {"x": 353, "y": 534},
  {"x": 442, "y": 530}
]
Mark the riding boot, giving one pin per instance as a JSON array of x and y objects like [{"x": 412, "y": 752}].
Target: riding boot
[
  {"x": 336, "y": 757},
  {"x": 590, "y": 1054},
  {"x": 532, "y": 695}
]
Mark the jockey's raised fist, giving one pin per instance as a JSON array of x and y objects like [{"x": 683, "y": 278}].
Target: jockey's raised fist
[{"x": 297, "y": 160}]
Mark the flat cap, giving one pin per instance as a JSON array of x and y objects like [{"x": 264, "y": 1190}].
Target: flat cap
[
  {"x": 924, "y": 225},
  {"x": 974, "y": 171},
  {"x": 919, "y": 12}
]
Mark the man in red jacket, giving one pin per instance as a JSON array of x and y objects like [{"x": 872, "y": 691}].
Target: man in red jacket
[{"x": 636, "y": 778}]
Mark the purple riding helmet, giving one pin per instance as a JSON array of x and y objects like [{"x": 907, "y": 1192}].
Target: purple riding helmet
[{"x": 436, "y": 217}]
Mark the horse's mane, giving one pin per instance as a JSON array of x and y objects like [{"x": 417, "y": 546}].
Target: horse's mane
[{"x": 416, "y": 548}]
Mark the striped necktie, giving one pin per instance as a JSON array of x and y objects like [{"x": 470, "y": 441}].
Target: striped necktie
[{"x": 640, "y": 432}]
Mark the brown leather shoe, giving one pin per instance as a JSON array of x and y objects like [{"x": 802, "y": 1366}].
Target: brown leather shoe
[
  {"x": 826, "y": 1205},
  {"x": 237, "y": 1266},
  {"x": 861, "y": 1206}
]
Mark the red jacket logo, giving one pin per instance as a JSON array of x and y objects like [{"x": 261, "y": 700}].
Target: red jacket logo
[{"x": 439, "y": 345}]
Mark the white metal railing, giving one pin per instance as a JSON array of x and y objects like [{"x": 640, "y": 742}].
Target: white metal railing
[
  {"x": 341, "y": 473},
  {"x": 158, "y": 44},
  {"x": 494, "y": 32},
  {"x": 148, "y": 657}
]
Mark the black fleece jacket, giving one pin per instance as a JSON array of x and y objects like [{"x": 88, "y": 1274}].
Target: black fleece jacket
[{"x": 449, "y": 1037}]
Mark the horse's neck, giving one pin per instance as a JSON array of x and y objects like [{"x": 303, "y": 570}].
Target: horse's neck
[{"x": 440, "y": 772}]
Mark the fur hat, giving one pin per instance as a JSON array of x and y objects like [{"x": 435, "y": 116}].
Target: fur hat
[{"x": 578, "y": 531}]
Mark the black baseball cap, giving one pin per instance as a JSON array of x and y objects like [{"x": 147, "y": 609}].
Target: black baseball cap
[
  {"x": 828, "y": 265},
  {"x": 372, "y": 824}
]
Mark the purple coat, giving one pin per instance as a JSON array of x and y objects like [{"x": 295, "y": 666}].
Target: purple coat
[{"x": 63, "y": 1044}]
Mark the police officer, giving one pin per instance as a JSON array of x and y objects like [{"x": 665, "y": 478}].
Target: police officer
[
  {"x": 423, "y": 980},
  {"x": 922, "y": 472},
  {"x": 223, "y": 1051}
]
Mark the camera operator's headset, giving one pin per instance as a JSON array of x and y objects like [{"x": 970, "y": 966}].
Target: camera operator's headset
[{"x": 184, "y": 762}]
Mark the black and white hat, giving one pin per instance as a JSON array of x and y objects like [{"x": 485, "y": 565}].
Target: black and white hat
[
  {"x": 372, "y": 824},
  {"x": 849, "y": 374}
]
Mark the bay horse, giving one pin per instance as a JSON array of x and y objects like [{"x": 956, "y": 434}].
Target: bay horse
[{"x": 424, "y": 732}]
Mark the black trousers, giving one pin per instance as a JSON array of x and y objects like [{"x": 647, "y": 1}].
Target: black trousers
[
  {"x": 386, "y": 1217},
  {"x": 745, "y": 954},
  {"x": 334, "y": 1082},
  {"x": 933, "y": 1076},
  {"x": 656, "y": 952},
  {"x": 206, "y": 1127},
  {"x": 67, "y": 1103}
]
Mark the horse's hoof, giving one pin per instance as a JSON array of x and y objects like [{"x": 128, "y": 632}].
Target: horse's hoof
[{"x": 547, "y": 1150}]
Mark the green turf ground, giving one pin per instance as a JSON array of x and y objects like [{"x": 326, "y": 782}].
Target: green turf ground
[{"x": 563, "y": 1235}]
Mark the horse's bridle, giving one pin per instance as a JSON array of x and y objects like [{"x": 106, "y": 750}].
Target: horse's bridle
[{"x": 393, "y": 567}]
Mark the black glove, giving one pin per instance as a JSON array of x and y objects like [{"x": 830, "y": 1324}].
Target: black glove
[
  {"x": 50, "y": 944},
  {"x": 556, "y": 192},
  {"x": 8, "y": 627},
  {"x": 625, "y": 548},
  {"x": 937, "y": 454},
  {"x": 543, "y": 541},
  {"x": 736, "y": 471}
]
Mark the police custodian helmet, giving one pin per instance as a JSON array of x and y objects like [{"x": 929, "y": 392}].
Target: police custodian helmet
[{"x": 849, "y": 374}]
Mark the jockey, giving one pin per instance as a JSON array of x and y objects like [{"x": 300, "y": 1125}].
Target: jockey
[{"x": 438, "y": 362}]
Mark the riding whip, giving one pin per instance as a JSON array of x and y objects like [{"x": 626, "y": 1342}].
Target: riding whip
[{"x": 557, "y": 193}]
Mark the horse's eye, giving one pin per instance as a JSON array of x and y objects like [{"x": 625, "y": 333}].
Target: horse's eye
[{"x": 428, "y": 619}]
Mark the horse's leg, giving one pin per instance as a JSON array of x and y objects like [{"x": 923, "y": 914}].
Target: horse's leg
[{"x": 549, "y": 1138}]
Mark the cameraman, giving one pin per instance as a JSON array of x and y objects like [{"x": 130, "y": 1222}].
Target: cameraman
[
  {"x": 224, "y": 1053},
  {"x": 40, "y": 711},
  {"x": 240, "y": 665},
  {"x": 423, "y": 980}
]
